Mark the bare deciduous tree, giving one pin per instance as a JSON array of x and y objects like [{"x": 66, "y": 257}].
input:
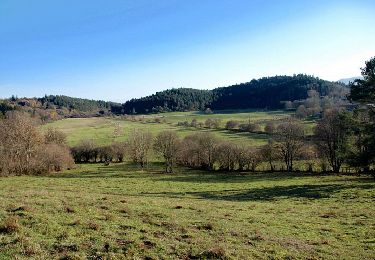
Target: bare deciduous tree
[
  {"x": 226, "y": 156},
  {"x": 270, "y": 154},
  {"x": 167, "y": 145},
  {"x": 289, "y": 137},
  {"x": 139, "y": 145},
  {"x": 248, "y": 158}
]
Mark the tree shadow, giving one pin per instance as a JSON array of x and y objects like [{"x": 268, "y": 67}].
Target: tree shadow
[
  {"x": 115, "y": 170},
  {"x": 263, "y": 194},
  {"x": 196, "y": 176}
]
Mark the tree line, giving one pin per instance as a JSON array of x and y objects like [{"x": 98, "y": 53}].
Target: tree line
[
  {"x": 333, "y": 145},
  {"x": 264, "y": 93}
]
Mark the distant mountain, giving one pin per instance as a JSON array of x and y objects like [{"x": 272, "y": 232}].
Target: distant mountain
[
  {"x": 264, "y": 93},
  {"x": 348, "y": 80}
]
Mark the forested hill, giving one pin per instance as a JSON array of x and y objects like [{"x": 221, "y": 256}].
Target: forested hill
[
  {"x": 57, "y": 107},
  {"x": 264, "y": 93}
]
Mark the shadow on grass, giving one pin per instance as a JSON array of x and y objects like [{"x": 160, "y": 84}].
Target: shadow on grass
[
  {"x": 155, "y": 171},
  {"x": 262, "y": 194},
  {"x": 228, "y": 134}
]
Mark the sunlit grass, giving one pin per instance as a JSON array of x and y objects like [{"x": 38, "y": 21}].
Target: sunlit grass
[
  {"x": 101, "y": 130},
  {"x": 121, "y": 212}
]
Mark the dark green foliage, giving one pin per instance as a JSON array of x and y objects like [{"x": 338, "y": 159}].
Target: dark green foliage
[
  {"x": 270, "y": 91},
  {"x": 183, "y": 99},
  {"x": 363, "y": 90},
  {"x": 363, "y": 153},
  {"x": 262, "y": 93},
  {"x": 5, "y": 107}
]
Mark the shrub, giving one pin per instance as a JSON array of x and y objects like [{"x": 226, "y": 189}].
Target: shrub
[
  {"x": 85, "y": 151},
  {"x": 184, "y": 123},
  {"x": 19, "y": 141},
  {"x": 249, "y": 127},
  {"x": 197, "y": 150},
  {"x": 25, "y": 150},
  {"x": 54, "y": 158},
  {"x": 231, "y": 124},
  {"x": 270, "y": 128},
  {"x": 55, "y": 136},
  {"x": 212, "y": 123}
]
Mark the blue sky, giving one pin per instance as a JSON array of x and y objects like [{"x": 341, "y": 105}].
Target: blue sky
[{"x": 120, "y": 49}]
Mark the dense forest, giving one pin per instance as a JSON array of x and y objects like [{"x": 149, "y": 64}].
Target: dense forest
[
  {"x": 264, "y": 93},
  {"x": 182, "y": 99}
]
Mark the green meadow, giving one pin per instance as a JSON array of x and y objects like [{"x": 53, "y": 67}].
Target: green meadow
[
  {"x": 120, "y": 212},
  {"x": 101, "y": 130}
]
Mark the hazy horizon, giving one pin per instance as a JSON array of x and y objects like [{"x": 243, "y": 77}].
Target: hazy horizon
[{"x": 118, "y": 50}]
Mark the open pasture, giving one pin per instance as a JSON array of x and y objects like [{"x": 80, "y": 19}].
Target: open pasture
[
  {"x": 101, "y": 130},
  {"x": 120, "y": 212}
]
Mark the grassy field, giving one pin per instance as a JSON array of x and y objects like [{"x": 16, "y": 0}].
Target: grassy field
[
  {"x": 101, "y": 129},
  {"x": 119, "y": 212}
]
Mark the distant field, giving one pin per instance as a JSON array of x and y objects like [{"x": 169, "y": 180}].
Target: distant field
[
  {"x": 101, "y": 129},
  {"x": 119, "y": 212}
]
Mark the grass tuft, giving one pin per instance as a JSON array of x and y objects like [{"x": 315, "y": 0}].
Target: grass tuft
[{"x": 10, "y": 225}]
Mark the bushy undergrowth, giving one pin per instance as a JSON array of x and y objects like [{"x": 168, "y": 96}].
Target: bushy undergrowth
[{"x": 24, "y": 149}]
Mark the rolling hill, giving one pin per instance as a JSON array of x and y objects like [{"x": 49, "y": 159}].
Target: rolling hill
[{"x": 264, "y": 93}]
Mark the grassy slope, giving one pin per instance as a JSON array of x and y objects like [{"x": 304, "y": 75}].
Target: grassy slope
[
  {"x": 95, "y": 209},
  {"x": 101, "y": 129}
]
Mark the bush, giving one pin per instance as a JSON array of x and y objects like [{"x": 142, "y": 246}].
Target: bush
[
  {"x": 25, "y": 150},
  {"x": 212, "y": 123},
  {"x": 197, "y": 150},
  {"x": 55, "y": 136},
  {"x": 270, "y": 128},
  {"x": 54, "y": 158},
  {"x": 249, "y": 127},
  {"x": 184, "y": 123},
  {"x": 231, "y": 124},
  {"x": 86, "y": 151}
]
